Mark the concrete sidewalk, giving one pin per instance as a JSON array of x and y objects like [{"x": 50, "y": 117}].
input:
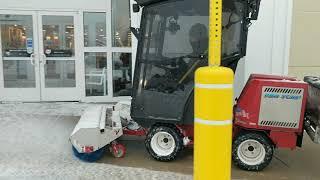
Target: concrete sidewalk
[{"x": 34, "y": 145}]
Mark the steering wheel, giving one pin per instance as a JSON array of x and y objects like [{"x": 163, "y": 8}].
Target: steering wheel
[{"x": 230, "y": 23}]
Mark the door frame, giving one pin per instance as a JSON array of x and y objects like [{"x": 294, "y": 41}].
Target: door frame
[
  {"x": 61, "y": 94},
  {"x": 22, "y": 94},
  {"x": 78, "y": 94},
  {"x": 109, "y": 49}
]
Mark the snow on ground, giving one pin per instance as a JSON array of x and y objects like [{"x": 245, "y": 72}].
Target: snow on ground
[
  {"x": 34, "y": 145},
  {"x": 57, "y": 108}
]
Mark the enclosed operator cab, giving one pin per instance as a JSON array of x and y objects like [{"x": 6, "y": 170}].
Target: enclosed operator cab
[{"x": 172, "y": 44}]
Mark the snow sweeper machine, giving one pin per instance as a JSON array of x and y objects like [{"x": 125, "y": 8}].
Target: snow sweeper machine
[{"x": 271, "y": 112}]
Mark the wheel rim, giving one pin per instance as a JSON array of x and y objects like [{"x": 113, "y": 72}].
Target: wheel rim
[
  {"x": 251, "y": 152},
  {"x": 163, "y": 143},
  {"x": 118, "y": 154},
  {"x": 118, "y": 150}
]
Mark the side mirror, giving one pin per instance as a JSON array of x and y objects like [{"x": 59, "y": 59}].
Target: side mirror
[
  {"x": 254, "y": 9},
  {"x": 135, "y": 32},
  {"x": 135, "y": 8}
]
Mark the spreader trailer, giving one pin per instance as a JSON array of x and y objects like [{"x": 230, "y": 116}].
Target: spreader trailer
[{"x": 271, "y": 112}]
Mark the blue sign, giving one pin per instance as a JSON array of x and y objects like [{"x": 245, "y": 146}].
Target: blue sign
[
  {"x": 282, "y": 96},
  {"x": 29, "y": 43}
]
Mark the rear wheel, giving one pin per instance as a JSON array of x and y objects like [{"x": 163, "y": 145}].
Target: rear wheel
[
  {"x": 164, "y": 143},
  {"x": 252, "y": 151}
]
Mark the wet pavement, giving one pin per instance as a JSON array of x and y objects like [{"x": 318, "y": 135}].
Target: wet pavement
[
  {"x": 34, "y": 145},
  {"x": 299, "y": 164}
]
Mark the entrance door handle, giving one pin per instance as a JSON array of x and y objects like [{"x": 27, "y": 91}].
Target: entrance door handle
[
  {"x": 44, "y": 59},
  {"x": 32, "y": 59}
]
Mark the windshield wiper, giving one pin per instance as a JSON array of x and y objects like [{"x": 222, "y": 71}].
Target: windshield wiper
[
  {"x": 231, "y": 57},
  {"x": 200, "y": 56}
]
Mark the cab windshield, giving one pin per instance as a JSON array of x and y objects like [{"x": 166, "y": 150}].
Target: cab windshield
[{"x": 180, "y": 29}]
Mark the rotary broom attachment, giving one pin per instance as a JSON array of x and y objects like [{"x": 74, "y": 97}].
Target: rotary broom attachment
[{"x": 97, "y": 129}]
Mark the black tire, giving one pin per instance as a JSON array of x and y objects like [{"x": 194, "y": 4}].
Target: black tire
[
  {"x": 252, "y": 144},
  {"x": 173, "y": 134}
]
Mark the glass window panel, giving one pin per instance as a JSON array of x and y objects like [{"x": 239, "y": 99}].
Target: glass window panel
[
  {"x": 122, "y": 74},
  {"x": 16, "y": 35},
  {"x": 58, "y": 36},
  {"x": 59, "y": 73},
  {"x": 96, "y": 73},
  {"x": 17, "y": 42},
  {"x": 121, "y": 34},
  {"x": 94, "y": 29},
  {"x": 18, "y": 74}
]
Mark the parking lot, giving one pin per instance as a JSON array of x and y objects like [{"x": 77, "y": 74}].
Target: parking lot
[{"x": 34, "y": 144}]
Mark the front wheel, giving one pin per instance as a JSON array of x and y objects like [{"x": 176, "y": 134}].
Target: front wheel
[
  {"x": 164, "y": 143},
  {"x": 118, "y": 150},
  {"x": 252, "y": 151}
]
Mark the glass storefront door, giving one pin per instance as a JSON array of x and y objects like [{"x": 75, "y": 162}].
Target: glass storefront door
[
  {"x": 19, "y": 77},
  {"x": 66, "y": 56},
  {"x": 58, "y": 56},
  {"x": 38, "y": 56}
]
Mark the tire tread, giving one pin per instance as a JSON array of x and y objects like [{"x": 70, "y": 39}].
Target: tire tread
[
  {"x": 175, "y": 134},
  {"x": 260, "y": 137}
]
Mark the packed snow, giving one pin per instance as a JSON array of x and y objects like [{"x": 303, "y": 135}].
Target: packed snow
[{"x": 34, "y": 145}]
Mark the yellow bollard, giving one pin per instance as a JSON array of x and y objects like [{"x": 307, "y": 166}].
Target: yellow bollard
[
  {"x": 213, "y": 123},
  {"x": 215, "y": 34},
  {"x": 213, "y": 105}
]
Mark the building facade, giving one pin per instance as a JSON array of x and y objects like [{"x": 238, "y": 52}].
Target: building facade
[
  {"x": 80, "y": 50},
  {"x": 75, "y": 50}
]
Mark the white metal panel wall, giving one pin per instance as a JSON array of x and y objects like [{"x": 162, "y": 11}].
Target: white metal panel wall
[
  {"x": 269, "y": 39},
  {"x": 268, "y": 42},
  {"x": 54, "y": 4}
]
